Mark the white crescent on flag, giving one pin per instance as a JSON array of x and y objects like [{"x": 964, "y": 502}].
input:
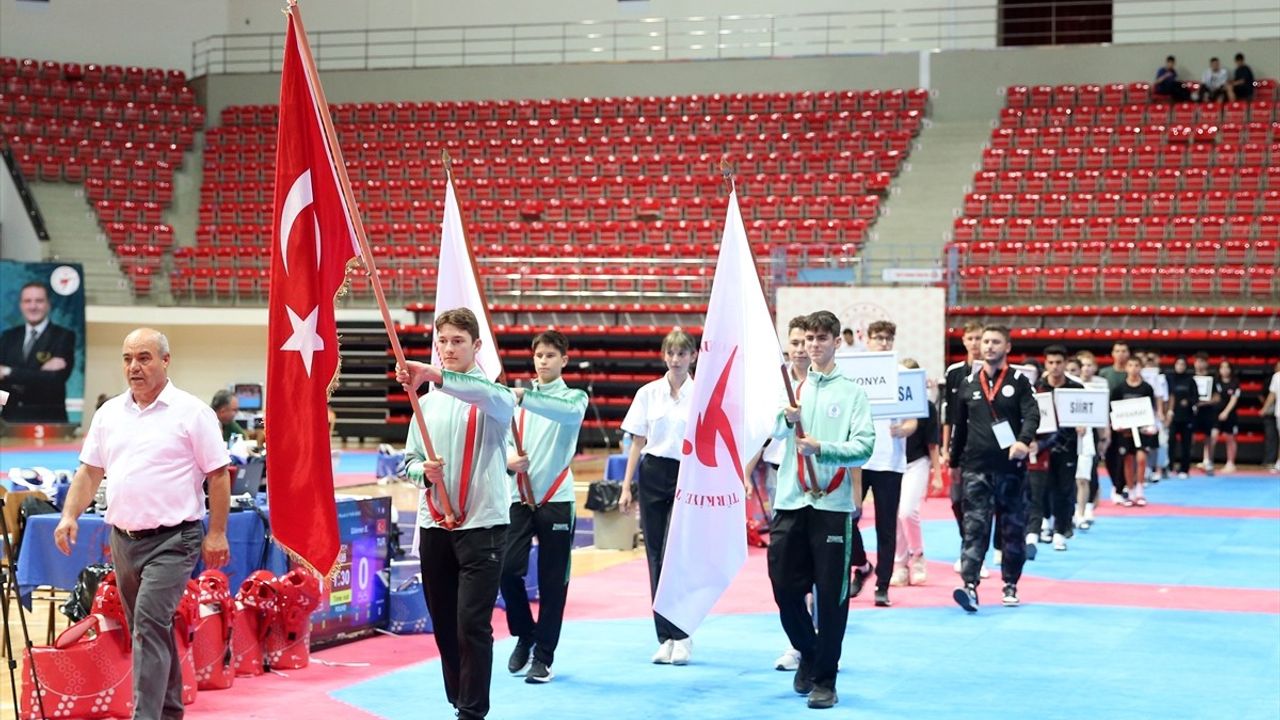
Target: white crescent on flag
[{"x": 299, "y": 198}]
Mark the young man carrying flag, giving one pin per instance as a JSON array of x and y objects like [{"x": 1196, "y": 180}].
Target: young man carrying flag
[
  {"x": 463, "y": 535},
  {"x": 547, "y": 422},
  {"x": 828, "y": 431}
]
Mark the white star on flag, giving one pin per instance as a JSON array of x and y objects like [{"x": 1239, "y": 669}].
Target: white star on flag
[{"x": 304, "y": 340}]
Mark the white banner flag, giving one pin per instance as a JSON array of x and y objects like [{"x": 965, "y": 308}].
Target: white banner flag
[
  {"x": 458, "y": 285},
  {"x": 729, "y": 421}
]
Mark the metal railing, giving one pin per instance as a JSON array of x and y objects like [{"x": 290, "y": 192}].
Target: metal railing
[{"x": 857, "y": 32}]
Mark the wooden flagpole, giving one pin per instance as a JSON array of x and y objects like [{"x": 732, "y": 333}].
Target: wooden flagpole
[{"x": 353, "y": 214}]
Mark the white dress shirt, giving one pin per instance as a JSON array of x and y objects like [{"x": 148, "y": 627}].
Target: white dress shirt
[
  {"x": 659, "y": 418},
  {"x": 156, "y": 458},
  {"x": 890, "y": 453}
]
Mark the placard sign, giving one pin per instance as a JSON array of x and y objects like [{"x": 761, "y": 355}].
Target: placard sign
[
  {"x": 1132, "y": 414},
  {"x": 1082, "y": 408},
  {"x": 875, "y": 372},
  {"x": 912, "y": 400},
  {"x": 1030, "y": 372},
  {"x": 1048, "y": 418},
  {"x": 1204, "y": 386}
]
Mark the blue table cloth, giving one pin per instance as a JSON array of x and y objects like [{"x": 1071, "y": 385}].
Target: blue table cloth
[{"x": 41, "y": 563}]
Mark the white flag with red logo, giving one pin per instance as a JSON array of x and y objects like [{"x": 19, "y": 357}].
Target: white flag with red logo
[
  {"x": 312, "y": 241},
  {"x": 729, "y": 421},
  {"x": 458, "y": 285}
]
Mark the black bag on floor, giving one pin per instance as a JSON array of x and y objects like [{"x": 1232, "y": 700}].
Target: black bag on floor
[
  {"x": 603, "y": 496},
  {"x": 80, "y": 603}
]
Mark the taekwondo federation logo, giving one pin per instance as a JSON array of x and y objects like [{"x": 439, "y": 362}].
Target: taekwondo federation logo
[{"x": 714, "y": 423}]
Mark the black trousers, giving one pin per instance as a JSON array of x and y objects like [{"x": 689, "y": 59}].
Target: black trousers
[
  {"x": 888, "y": 493},
  {"x": 460, "y": 574},
  {"x": 1053, "y": 490},
  {"x": 986, "y": 494},
  {"x": 957, "y": 508},
  {"x": 809, "y": 551},
  {"x": 1115, "y": 464},
  {"x": 553, "y": 525},
  {"x": 1181, "y": 434},
  {"x": 657, "y": 490}
]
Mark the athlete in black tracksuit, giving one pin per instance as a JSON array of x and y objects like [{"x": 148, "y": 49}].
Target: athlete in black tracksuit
[
  {"x": 1054, "y": 486},
  {"x": 993, "y": 482}
]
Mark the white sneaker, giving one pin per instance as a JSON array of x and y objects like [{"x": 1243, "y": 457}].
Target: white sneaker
[
  {"x": 899, "y": 577},
  {"x": 1088, "y": 513},
  {"x": 1229, "y": 468},
  {"x": 681, "y": 651},
  {"x": 998, "y": 556},
  {"x": 1032, "y": 538},
  {"x": 983, "y": 572},
  {"x": 1077, "y": 520},
  {"x": 1182, "y": 476},
  {"x": 789, "y": 660},
  {"x": 957, "y": 567},
  {"x": 919, "y": 572},
  {"x": 1059, "y": 541},
  {"x": 663, "y": 656}
]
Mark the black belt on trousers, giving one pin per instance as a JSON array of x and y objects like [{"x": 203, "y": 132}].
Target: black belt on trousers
[{"x": 140, "y": 534}]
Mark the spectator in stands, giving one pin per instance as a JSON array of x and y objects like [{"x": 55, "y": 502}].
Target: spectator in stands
[
  {"x": 1242, "y": 80},
  {"x": 225, "y": 405},
  {"x": 1215, "y": 84},
  {"x": 1271, "y": 405},
  {"x": 1167, "y": 84},
  {"x": 1115, "y": 376},
  {"x": 883, "y": 474},
  {"x": 847, "y": 337},
  {"x": 1133, "y": 454},
  {"x": 995, "y": 428},
  {"x": 1228, "y": 423},
  {"x": 1180, "y": 416},
  {"x": 923, "y": 471},
  {"x": 1100, "y": 439},
  {"x": 36, "y": 358},
  {"x": 1206, "y": 408},
  {"x": 656, "y": 421},
  {"x": 809, "y": 541},
  {"x": 549, "y": 419}
]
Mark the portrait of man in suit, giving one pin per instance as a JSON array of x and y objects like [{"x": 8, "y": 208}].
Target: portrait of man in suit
[{"x": 36, "y": 358}]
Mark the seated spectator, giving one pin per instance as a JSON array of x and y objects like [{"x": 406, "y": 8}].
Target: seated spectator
[
  {"x": 1242, "y": 80},
  {"x": 1215, "y": 84},
  {"x": 1167, "y": 84},
  {"x": 225, "y": 405}
]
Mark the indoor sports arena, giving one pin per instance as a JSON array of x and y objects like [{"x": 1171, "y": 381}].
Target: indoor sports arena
[{"x": 385, "y": 360}]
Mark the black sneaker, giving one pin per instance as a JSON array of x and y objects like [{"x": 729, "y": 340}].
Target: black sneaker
[
  {"x": 882, "y": 597},
  {"x": 1010, "y": 595},
  {"x": 859, "y": 579},
  {"x": 822, "y": 698},
  {"x": 1032, "y": 549},
  {"x": 966, "y": 597},
  {"x": 802, "y": 683},
  {"x": 519, "y": 661},
  {"x": 539, "y": 672}
]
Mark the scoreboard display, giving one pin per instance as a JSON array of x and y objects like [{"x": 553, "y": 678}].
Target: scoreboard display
[{"x": 355, "y": 603}]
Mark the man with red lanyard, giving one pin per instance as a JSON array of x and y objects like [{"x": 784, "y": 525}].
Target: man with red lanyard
[
  {"x": 156, "y": 445},
  {"x": 827, "y": 431},
  {"x": 996, "y": 417},
  {"x": 464, "y": 511},
  {"x": 547, "y": 426}
]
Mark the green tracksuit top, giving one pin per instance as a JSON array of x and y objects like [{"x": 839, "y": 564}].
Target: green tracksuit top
[
  {"x": 447, "y": 411},
  {"x": 835, "y": 411},
  {"x": 549, "y": 419}
]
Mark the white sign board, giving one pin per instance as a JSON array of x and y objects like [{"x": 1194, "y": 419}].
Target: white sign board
[
  {"x": 874, "y": 372},
  {"x": 1204, "y": 386},
  {"x": 1132, "y": 413},
  {"x": 912, "y": 275},
  {"x": 912, "y": 400},
  {"x": 1048, "y": 418},
  {"x": 1030, "y": 372},
  {"x": 1082, "y": 408}
]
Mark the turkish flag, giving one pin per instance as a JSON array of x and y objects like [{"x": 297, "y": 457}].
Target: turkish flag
[
  {"x": 729, "y": 420},
  {"x": 312, "y": 241}
]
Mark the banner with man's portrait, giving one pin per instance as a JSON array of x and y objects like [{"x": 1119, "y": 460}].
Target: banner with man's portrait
[{"x": 42, "y": 342}]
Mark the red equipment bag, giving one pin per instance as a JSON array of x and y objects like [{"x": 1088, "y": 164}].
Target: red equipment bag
[
  {"x": 288, "y": 645},
  {"x": 212, "y": 644},
  {"x": 184, "y": 630},
  {"x": 255, "y": 603},
  {"x": 86, "y": 673}
]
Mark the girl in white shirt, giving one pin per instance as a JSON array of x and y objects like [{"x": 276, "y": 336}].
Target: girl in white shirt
[{"x": 656, "y": 422}]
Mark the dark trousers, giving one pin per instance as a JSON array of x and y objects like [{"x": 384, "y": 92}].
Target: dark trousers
[
  {"x": 460, "y": 574},
  {"x": 1181, "y": 433},
  {"x": 657, "y": 490},
  {"x": 888, "y": 493},
  {"x": 1115, "y": 464},
  {"x": 986, "y": 494},
  {"x": 957, "y": 508},
  {"x": 152, "y": 575},
  {"x": 1053, "y": 491},
  {"x": 553, "y": 525},
  {"x": 810, "y": 551}
]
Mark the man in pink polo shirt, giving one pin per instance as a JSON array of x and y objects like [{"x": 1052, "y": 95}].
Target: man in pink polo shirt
[{"x": 157, "y": 445}]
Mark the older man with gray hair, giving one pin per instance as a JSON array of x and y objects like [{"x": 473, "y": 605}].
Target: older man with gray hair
[{"x": 158, "y": 445}]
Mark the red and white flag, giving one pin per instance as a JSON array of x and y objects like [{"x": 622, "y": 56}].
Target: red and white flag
[
  {"x": 458, "y": 285},
  {"x": 312, "y": 240},
  {"x": 729, "y": 421}
]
